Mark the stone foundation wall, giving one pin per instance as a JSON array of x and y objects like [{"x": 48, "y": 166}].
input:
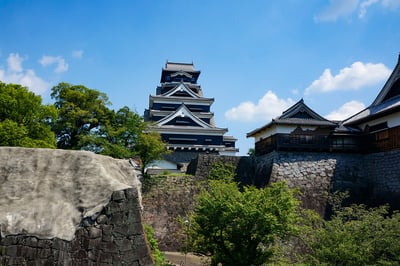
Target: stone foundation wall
[
  {"x": 372, "y": 179},
  {"x": 383, "y": 172},
  {"x": 245, "y": 167},
  {"x": 112, "y": 237},
  {"x": 165, "y": 202}
]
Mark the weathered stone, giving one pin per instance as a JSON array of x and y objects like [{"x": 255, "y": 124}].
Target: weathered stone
[
  {"x": 102, "y": 219},
  {"x": 95, "y": 232},
  {"x": 12, "y": 250},
  {"x": 118, "y": 196}
]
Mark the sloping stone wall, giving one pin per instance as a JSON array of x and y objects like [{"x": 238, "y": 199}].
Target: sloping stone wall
[
  {"x": 112, "y": 237},
  {"x": 318, "y": 174},
  {"x": 372, "y": 179},
  {"x": 383, "y": 172},
  {"x": 169, "y": 199},
  {"x": 245, "y": 167}
]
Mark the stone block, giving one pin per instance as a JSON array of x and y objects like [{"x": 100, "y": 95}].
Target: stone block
[
  {"x": 10, "y": 240},
  {"x": 12, "y": 250},
  {"x": 118, "y": 196},
  {"x": 44, "y": 253},
  {"x": 94, "y": 243},
  {"x": 95, "y": 232},
  {"x": 109, "y": 247},
  {"x": 102, "y": 219},
  {"x": 124, "y": 244}
]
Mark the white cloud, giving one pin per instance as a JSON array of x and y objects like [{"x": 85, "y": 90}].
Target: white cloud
[
  {"x": 346, "y": 110},
  {"x": 345, "y": 8},
  {"x": 15, "y": 73},
  {"x": 356, "y": 76},
  {"x": 77, "y": 54},
  {"x": 364, "y": 5},
  {"x": 386, "y": 4},
  {"x": 268, "y": 107},
  {"x": 336, "y": 9},
  {"x": 14, "y": 62},
  {"x": 61, "y": 65}
]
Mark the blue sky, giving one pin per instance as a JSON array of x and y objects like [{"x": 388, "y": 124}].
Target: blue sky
[{"x": 256, "y": 57}]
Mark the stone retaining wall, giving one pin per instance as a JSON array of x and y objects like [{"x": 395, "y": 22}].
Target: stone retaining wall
[
  {"x": 112, "y": 237},
  {"x": 372, "y": 179},
  {"x": 383, "y": 172},
  {"x": 165, "y": 202}
]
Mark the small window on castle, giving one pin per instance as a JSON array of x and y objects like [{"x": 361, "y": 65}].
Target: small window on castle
[{"x": 378, "y": 127}]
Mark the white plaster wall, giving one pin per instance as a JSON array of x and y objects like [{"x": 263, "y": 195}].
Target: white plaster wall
[
  {"x": 162, "y": 164},
  {"x": 393, "y": 120},
  {"x": 280, "y": 129}
]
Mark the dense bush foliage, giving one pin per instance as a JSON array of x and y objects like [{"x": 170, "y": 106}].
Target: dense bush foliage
[
  {"x": 356, "y": 235},
  {"x": 237, "y": 227},
  {"x": 249, "y": 226}
]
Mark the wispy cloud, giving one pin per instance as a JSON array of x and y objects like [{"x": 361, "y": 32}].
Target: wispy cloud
[
  {"x": 268, "y": 107},
  {"x": 14, "y": 62},
  {"x": 346, "y": 110},
  {"x": 15, "y": 73},
  {"x": 356, "y": 76},
  {"x": 346, "y": 8},
  {"x": 61, "y": 65},
  {"x": 77, "y": 54},
  {"x": 336, "y": 9}
]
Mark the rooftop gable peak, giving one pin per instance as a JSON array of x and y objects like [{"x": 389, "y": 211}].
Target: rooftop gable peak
[
  {"x": 181, "y": 88},
  {"x": 302, "y": 111},
  {"x": 183, "y": 111},
  {"x": 391, "y": 88}
]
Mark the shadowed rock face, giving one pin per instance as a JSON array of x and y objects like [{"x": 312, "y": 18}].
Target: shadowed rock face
[{"x": 47, "y": 192}]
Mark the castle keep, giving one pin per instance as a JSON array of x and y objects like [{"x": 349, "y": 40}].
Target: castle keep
[{"x": 183, "y": 117}]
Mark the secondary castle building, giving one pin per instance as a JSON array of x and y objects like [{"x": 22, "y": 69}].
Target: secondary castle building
[
  {"x": 183, "y": 117},
  {"x": 374, "y": 129}
]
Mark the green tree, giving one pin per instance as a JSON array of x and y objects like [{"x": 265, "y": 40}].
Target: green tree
[
  {"x": 251, "y": 152},
  {"x": 24, "y": 120},
  {"x": 82, "y": 112},
  {"x": 118, "y": 136},
  {"x": 356, "y": 235},
  {"x": 149, "y": 147},
  {"x": 240, "y": 228}
]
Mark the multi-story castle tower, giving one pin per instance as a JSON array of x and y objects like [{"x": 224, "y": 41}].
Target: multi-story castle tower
[{"x": 183, "y": 117}]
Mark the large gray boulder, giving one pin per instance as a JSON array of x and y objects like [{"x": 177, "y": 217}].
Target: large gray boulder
[{"x": 47, "y": 192}]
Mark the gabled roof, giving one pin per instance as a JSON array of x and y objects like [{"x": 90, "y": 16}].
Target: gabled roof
[
  {"x": 391, "y": 88},
  {"x": 179, "y": 66},
  {"x": 387, "y": 101},
  {"x": 298, "y": 114},
  {"x": 175, "y": 69},
  {"x": 181, "y": 88},
  {"x": 300, "y": 111},
  {"x": 183, "y": 111}
]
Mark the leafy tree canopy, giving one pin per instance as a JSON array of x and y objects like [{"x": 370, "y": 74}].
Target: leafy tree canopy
[
  {"x": 24, "y": 120},
  {"x": 356, "y": 235},
  {"x": 149, "y": 147},
  {"x": 239, "y": 228},
  {"x": 82, "y": 111}
]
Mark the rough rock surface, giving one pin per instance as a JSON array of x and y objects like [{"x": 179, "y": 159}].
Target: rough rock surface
[
  {"x": 69, "y": 208},
  {"x": 42, "y": 185}
]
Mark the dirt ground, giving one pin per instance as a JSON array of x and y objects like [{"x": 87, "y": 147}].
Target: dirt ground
[{"x": 178, "y": 258}]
